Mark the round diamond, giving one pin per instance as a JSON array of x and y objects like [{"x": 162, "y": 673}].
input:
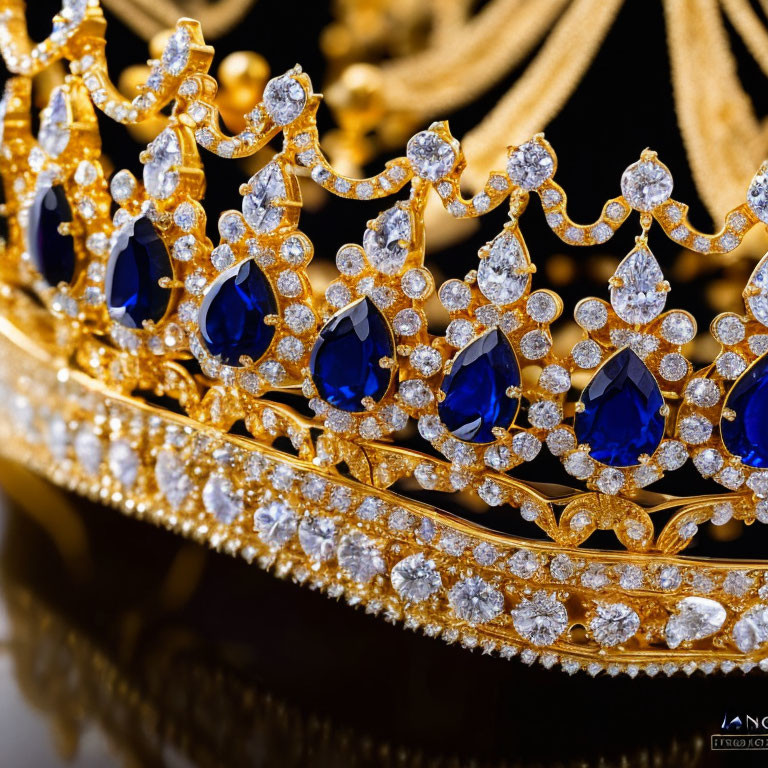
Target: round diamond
[
  {"x": 703, "y": 392},
  {"x": 561, "y": 567},
  {"x": 289, "y": 283},
  {"x": 678, "y": 328},
  {"x": 349, "y": 260},
  {"x": 526, "y": 446},
  {"x": 387, "y": 241},
  {"x": 560, "y": 441},
  {"x": 708, "y": 462},
  {"x": 530, "y": 165},
  {"x": 729, "y": 329},
  {"x": 415, "y": 284},
  {"x": 222, "y": 257},
  {"x": 231, "y": 227},
  {"x": 614, "y": 623},
  {"x": 459, "y": 333},
  {"x": 407, "y": 322},
  {"x": 284, "y": 99},
  {"x": 610, "y": 480},
  {"x": 524, "y": 563},
  {"x": 430, "y": 156},
  {"x": 670, "y": 578},
  {"x": 535, "y": 344},
  {"x": 541, "y": 307},
  {"x": 275, "y": 522},
  {"x": 545, "y": 414},
  {"x": 122, "y": 186},
  {"x": 555, "y": 379},
  {"x": 475, "y": 601},
  {"x": 672, "y": 455},
  {"x": 646, "y": 184},
  {"x": 415, "y": 578},
  {"x": 673, "y": 367},
  {"x": 299, "y": 318},
  {"x": 731, "y": 365},
  {"x": 695, "y": 429},
  {"x": 541, "y": 619},
  {"x": 359, "y": 557},
  {"x": 454, "y": 295},
  {"x": 579, "y": 465},
  {"x": 338, "y": 295},
  {"x": 587, "y": 354},
  {"x": 426, "y": 360},
  {"x": 415, "y": 393},
  {"x": 317, "y": 536}
]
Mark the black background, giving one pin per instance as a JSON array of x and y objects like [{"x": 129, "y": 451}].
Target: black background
[{"x": 364, "y": 677}]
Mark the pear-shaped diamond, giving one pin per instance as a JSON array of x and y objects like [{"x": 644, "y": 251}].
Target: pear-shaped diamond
[
  {"x": 266, "y": 189},
  {"x": 388, "y": 240},
  {"x": 161, "y": 176},
  {"x": 694, "y": 618},
  {"x": 757, "y": 194},
  {"x": 504, "y": 273},
  {"x": 638, "y": 292},
  {"x": 751, "y": 630},
  {"x": 220, "y": 498},
  {"x": 171, "y": 477},
  {"x": 53, "y": 135},
  {"x": 757, "y": 296},
  {"x": 620, "y": 419}
]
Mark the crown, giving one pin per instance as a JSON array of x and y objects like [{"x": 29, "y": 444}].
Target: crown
[{"x": 207, "y": 389}]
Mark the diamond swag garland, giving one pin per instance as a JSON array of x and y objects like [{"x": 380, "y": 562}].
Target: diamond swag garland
[{"x": 264, "y": 250}]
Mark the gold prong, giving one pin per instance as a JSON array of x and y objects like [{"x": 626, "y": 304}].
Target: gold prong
[
  {"x": 244, "y": 189},
  {"x": 404, "y": 350},
  {"x": 616, "y": 282},
  {"x": 664, "y": 410},
  {"x": 663, "y": 286},
  {"x": 169, "y": 282},
  {"x": 499, "y": 433},
  {"x": 368, "y": 403},
  {"x": 729, "y": 414},
  {"x": 271, "y": 319},
  {"x": 386, "y": 362},
  {"x": 145, "y": 156},
  {"x": 752, "y": 290},
  {"x": 513, "y": 393},
  {"x": 440, "y": 395},
  {"x": 245, "y": 361},
  {"x": 579, "y": 407}
]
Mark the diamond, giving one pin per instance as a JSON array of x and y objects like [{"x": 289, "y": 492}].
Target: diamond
[
  {"x": 260, "y": 204},
  {"x": 172, "y": 480},
  {"x": 670, "y": 578},
  {"x": 530, "y": 165},
  {"x": 702, "y": 392},
  {"x": 708, "y": 462},
  {"x": 317, "y": 536},
  {"x": 359, "y": 557},
  {"x": 430, "y": 156},
  {"x": 176, "y": 52},
  {"x": 284, "y": 99},
  {"x": 220, "y": 499},
  {"x": 123, "y": 462},
  {"x": 535, "y": 344},
  {"x": 757, "y": 194},
  {"x": 426, "y": 360},
  {"x": 544, "y": 414},
  {"x": 475, "y": 601},
  {"x": 591, "y": 314},
  {"x": 524, "y": 563},
  {"x": 407, "y": 322},
  {"x": 415, "y": 284},
  {"x": 459, "y": 333},
  {"x": 614, "y": 623},
  {"x": 646, "y": 184},
  {"x": 349, "y": 260},
  {"x": 415, "y": 578},
  {"x": 730, "y": 365},
  {"x": 53, "y": 135},
  {"x": 555, "y": 379},
  {"x": 751, "y": 630},
  {"x": 503, "y": 275},
  {"x": 694, "y": 619},
  {"x": 88, "y": 450},
  {"x": 541, "y": 307},
  {"x": 587, "y": 354},
  {"x": 160, "y": 178},
  {"x": 386, "y": 243},
  {"x": 541, "y": 619},
  {"x": 673, "y": 367},
  {"x": 640, "y": 296},
  {"x": 275, "y": 522},
  {"x": 695, "y": 429}
]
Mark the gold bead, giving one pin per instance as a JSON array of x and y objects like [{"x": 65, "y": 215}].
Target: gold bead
[
  {"x": 357, "y": 97},
  {"x": 243, "y": 70}
]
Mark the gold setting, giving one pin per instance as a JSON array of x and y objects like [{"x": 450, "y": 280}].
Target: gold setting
[{"x": 73, "y": 413}]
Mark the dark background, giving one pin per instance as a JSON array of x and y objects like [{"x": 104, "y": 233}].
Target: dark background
[{"x": 245, "y": 670}]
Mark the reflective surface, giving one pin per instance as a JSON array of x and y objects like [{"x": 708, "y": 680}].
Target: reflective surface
[{"x": 123, "y": 645}]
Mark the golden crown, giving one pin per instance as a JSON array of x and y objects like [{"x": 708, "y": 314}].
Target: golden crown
[{"x": 282, "y": 433}]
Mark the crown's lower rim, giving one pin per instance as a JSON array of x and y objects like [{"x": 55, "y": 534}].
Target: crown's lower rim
[{"x": 537, "y": 600}]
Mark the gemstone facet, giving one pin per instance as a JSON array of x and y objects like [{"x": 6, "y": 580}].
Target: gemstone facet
[
  {"x": 232, "y": 314},
  {"x": 638, "y": 296},
  {"x": 475, "y": 390},
  {"x": 620, "y": 420},
  {"x": 52, "y": 253},
  {"x": 139, "y": 260},
  {"x": 345, "y": 361},
  {"x": 646, "y": 184},
  {"x": 386, "y": 243},
  {"x": 746, "y": 436},
  {"x": 502, "y": 276},
  {"x": 694, "y": 619}
]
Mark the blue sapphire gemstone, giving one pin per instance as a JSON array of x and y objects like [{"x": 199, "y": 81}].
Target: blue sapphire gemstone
[
  {"x": 232, "y": 315},
  {"x": 475, "y": 390},
  {"x": 52, "y": 253},
  {"x": 747, "y": 435},
  {"x": 139, "y": 260},
  {"x": 345, "y": 359},
  {"x": 621, "y": 419}
]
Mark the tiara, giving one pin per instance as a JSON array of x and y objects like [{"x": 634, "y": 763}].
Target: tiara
[{"x": 207, "y": 389}]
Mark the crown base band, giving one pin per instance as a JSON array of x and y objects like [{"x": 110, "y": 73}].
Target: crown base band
[{"x": 69, "y": 428}]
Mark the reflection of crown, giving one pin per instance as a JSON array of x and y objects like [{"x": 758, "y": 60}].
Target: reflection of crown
[{"x": 142, "y": 302}]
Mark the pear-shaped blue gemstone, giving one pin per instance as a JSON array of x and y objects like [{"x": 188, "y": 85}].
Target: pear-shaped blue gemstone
[
  {"x": 138, "y": 261},
  {"x": 52, "y": 253},
  {"x": 232, "y": 314},
  {"x": 621, "y": 419},
  {"x": 747, "y": 435},
  {"x": 475, "y": 390},
  {"x": 345, "y": 361}
]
